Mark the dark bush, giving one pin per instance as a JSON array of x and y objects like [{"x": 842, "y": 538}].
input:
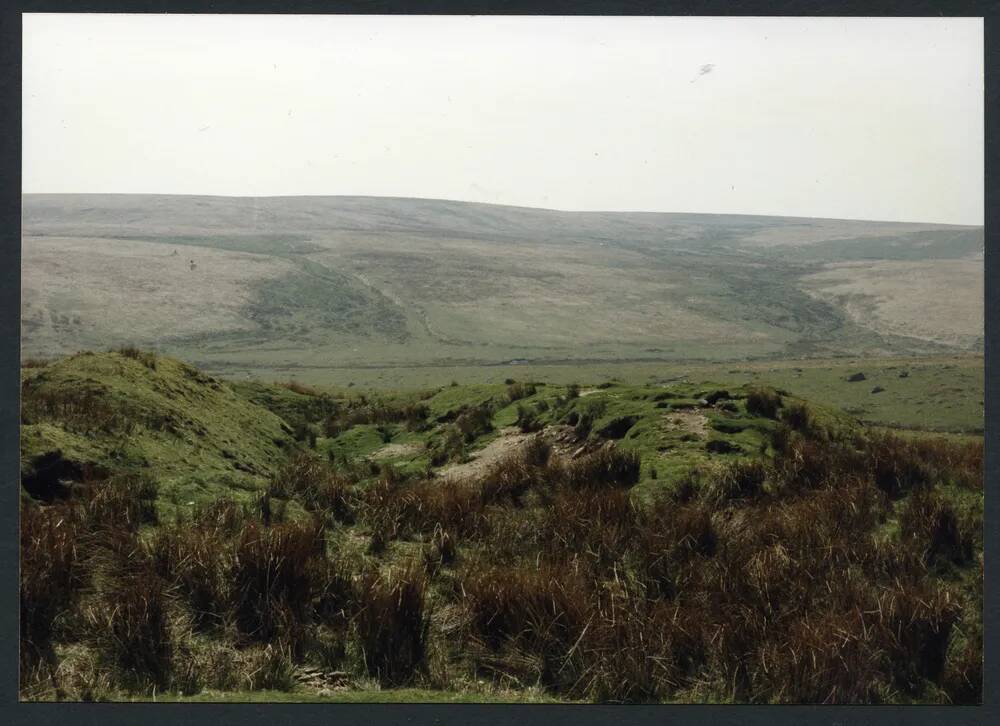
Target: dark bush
[
  {"x": 763, "y": 402},
  {"x": 475, "y": 421},
  {"x": 799, "y": 417},
  {"x": 527, "y": 420}
]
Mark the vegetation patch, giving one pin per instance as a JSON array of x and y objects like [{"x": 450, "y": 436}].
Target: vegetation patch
[{"x": 794, "y": 556}]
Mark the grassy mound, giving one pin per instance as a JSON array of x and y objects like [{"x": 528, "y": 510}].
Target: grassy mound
[{"x": 93, "y": 413}]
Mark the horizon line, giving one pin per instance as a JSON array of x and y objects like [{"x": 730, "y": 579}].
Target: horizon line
[{"x": 498, "y": 204}]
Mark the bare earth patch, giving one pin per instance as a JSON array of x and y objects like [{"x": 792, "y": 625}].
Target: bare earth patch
[
  {"x": 689, "y": 421},
  {"x": 395, "y": 451},
  {"x": 510, "y": 440}
]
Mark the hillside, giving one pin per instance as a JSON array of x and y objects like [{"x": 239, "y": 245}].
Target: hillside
[
  {"x": 187, "y": 538},
  {"x": 264, "y": 285}
]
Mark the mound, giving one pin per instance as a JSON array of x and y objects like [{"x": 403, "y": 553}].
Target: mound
[{"x": 95, "y": 412}]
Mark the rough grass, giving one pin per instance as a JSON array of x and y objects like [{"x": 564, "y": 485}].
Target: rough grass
[{"x": 825, "y": 563}]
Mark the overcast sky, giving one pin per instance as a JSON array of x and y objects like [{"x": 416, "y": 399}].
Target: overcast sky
[{"x": 851, "y": 118}]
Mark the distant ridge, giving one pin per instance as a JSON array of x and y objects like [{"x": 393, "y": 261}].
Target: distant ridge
[{"x": 378, "y": 199}]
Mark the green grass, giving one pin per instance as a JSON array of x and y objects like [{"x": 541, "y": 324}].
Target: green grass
[
  {"x": 195, "y": 434},
  {"x": 942, "y": 393}
]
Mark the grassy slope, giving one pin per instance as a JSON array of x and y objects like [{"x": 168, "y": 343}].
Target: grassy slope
[{"x": 192, "y": 432}]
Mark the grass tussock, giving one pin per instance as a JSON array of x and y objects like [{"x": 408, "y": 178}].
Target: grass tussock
[
  {"x": 393, "y": 624},
  {"x": 50, "y": 581},
  {"x": 147, "y": 358},
  {"x": 764, "y": 402},
  {"x": 316, "y": 485}
]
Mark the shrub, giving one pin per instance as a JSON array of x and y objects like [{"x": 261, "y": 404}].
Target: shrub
[
  {"x": 897, "y": 466},
  {"x": 536, "y": 452},
  {"x": 618, "y": 427},
  {"x": 801, "y": 463},
  {"x": 304, "y": 433},
  {"x": 273, "y": 669},
  {"x": 799, "y": 417},
  {"x": 963, "y": 678},
  {"x": 763, "y": 402},
  {"x": 918, "y": 620},
  {"x": 474, "y": 421},
  {"x": 527, "y": 420},
  {"x": 596, "y": 525},
  {"x": 583, "y": 425},
  {"x": 444, "y": 545},
  {"x": 517, "y": 391},
  {"x": 670, "y": 537},
  {"x": 361, "y": 412},
  {"x": 427, "y": 506},
  {"x": 449, "y": 446},
  {"x": 508, "y": 479}
]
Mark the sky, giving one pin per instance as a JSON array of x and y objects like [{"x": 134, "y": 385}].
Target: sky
[{"x": 818, "y": 117}]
